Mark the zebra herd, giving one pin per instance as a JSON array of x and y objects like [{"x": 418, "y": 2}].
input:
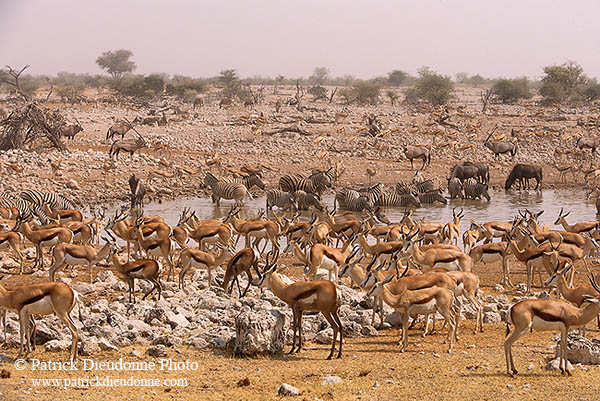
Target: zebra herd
[
  {"x": 30, "y": 203},
  {"x": 300, "y": 192}
]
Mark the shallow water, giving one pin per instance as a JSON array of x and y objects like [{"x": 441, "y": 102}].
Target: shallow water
[{"x": 502, "y": 207}]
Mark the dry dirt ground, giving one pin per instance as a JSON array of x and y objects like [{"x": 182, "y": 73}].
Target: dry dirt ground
[{"x": 372, "y": 368}]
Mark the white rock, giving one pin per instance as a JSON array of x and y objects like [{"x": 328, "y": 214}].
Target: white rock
[
  {"x": 331, "y": 380},
  {"x": 259, "y": 332},
  {"x": 286, "y": 389}
]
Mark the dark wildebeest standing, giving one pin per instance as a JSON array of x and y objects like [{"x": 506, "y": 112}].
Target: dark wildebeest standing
[
  {"x": 523, "y": 173},
  {"x": 483, "y": 171},
  {"x": 463, "y": 172}
]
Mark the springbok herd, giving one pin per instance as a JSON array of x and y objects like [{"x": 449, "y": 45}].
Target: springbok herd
[{"x": 415, "y": 267}]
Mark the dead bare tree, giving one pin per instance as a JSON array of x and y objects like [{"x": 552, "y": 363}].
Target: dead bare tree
[
  {"x": 486, "y": 96},
  {"x": 31, "y": 123}
]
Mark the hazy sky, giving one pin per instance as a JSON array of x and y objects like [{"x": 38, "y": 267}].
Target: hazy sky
[{"x": 269, "y": 37}]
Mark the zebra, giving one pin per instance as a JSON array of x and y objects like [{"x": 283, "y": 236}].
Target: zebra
[
  {"x": 432, "y": 197},
  {"x": 405, "y": 188},
  {"x": 352, "y": 200},
  {"x": 316, "y": 183},
  {"x": 226, "y": 190},
  {"x": 306, "y": 200},
  {"x": 372, "y": 193},
  {"x": 418, "y": 178},
  {"x": 53, "y": 200},
  {"x": 455, "y": 188},
  {"x": 27, "y": 210},
  {"x": 248, "y": 181},
  {"x": 281, "y": 199},
  {"x": 424, "y": 186},
  {"x": 395, "y": 199},
  {"x": 476, "y": 190}
]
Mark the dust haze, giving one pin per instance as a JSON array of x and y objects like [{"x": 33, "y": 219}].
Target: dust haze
[{"x": 365, "y": 39}]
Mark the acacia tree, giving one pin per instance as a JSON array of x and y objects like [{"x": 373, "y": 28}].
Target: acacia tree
[
  {"x": 431, "y": 87},
  {"x": 396, "y": 77},
  {"x": 116, "y": 63},
  {"x": 320, "y": 76},
  {"x": 562, "y": 82}
]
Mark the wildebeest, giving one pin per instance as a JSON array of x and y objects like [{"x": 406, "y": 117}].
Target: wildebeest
[
  {"x": 523, "y": 173},
  {"x": 483, "y": 171},
  {"x": 127, "y": 145},
  {"x": 455, "y": 188},
  {"x": 476, "y": 190},
  {"x": 417, "y": 152},
  {"x": 463, "y": 172},
  {"x": 120, "y": 128},
  {"x": 591, "y": 142},
  {"x": 69, "y": 131}
]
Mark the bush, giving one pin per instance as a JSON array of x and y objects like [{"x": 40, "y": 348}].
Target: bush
[
  {"x": 180, "y": 86},
  {"x": 431, "y": 87},
  {"x": 591, "y": 91},
  {"x": 562, "y": 83},
  {"x": 366, "y": 92},
  {"x": 347, "y": 94},
  {"x": 511, "y": 90},
  {"x": 139, "y": 86}
]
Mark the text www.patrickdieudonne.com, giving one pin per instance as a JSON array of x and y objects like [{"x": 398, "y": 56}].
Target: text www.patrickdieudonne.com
[{"x": 104, "y": 379}]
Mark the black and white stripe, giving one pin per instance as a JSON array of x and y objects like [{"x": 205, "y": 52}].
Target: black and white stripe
[
  {"x": 399, "y": 200},
  {"x": 226, "y": 190},
  {"x": 306, "y": 200},
  {"x": 281, "y": 199},
  {"x": 424, "y": 186},
  {"x": 27, "y": 210},
  {"x": 248, "y": 181},
  {"x": 476, "y": 190},
  {"x": 372, "y": 193},
  {"x": 316, "y": 183},
  {"x": 432, "y": 197},
  {"x": 55, "y": 201},
  {"x": 352, "y": 200}
]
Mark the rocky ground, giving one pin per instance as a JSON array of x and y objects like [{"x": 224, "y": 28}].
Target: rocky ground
[
  {"x": 174, "y": 161},
  {"x": 219, "y": 331}
]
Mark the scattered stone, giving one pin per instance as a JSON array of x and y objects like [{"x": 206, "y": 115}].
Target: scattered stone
[
  {"x": 259, "y": 332},
  {"x": 331, "y": 380},
  {"x": 554, "y": 364},
  {"x": 491, "y": 317},
  {"x": 286, "y": 389},
  {"x": 510, "y": 387},
  {"x": 158, "y": 351},
  {"x": 581, "y": 350}
]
